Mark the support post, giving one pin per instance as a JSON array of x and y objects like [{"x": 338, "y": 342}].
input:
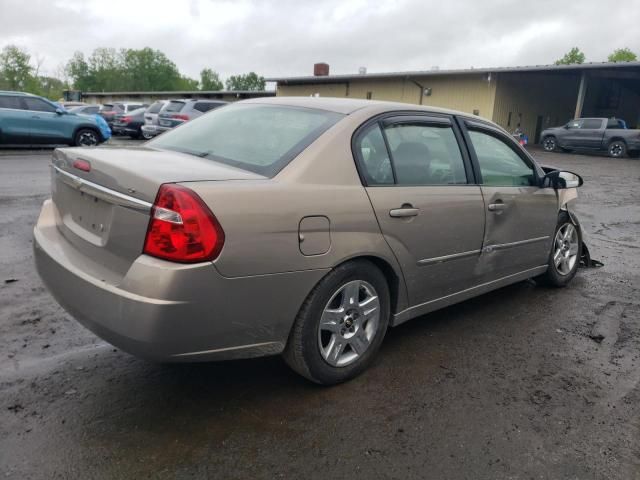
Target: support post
[{"x": 582, "y": 90}]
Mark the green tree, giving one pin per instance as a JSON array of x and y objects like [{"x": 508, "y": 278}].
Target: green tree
[
  {"x": 77, "y": 69},
  {"x": 210, "y": 80},
  {"x": 249, "y": 81},
  {"x": 149, "y": 70},
  {"x": 572, "y": 57},
  {"x": 16, "y": 72},
  {"x": 186, "y": 83},
  {"x": 622, "y": 55}
]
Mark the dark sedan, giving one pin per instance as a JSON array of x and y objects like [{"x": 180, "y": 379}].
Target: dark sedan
[{"x": 129, "y": 123}]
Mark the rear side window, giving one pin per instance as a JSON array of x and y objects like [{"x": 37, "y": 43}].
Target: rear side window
[
  {"x": 591, "y": 124},
  {"x": 260, "y": 138},
  {"x": 10, "y": 102},
  {"x": 500, "y": 165},
  {"x": 38, "y": 105},
  {"x": 425, "y": 154},
  {"x": 174, "y": 106},
  {"x": 614, "y": 124},
  {"x": 375, "y": 161},
  {"x": 205, "y": 106}
]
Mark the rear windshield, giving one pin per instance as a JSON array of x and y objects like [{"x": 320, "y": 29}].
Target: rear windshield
[
  {"x": 155, "y": 107},
  {"x": 259, "y": 138},
  {"x": 174, "y": 106}
]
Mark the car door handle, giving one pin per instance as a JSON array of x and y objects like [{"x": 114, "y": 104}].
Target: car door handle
[
  {"x": 497, "y": 207},
  {"x": 403, "y": 212}
]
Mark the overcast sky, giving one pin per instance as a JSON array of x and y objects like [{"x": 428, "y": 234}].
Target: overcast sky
[{"x": 285, "y": 37}]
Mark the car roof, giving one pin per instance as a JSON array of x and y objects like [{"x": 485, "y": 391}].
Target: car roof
[
  {"x": 22, "y": 94},
  {"x": 347, "y": 105}
]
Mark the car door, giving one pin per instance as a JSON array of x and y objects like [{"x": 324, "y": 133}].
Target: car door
[
  {"x": 46, "y": 126},
  {"x": 429, "y": 210},
  {"x": 590, "y": 133},
  {"x": 520, "y": 215},
  {"x": 571, "y": 136},
  {"x": 14, "y": 121}
]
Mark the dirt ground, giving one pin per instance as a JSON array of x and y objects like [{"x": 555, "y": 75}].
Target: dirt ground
[{"x": 522, "y": 383}]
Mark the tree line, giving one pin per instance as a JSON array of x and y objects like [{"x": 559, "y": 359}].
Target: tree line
[
  {"x": 108, "y": 69},
  {"x": 576, "y": 56}
]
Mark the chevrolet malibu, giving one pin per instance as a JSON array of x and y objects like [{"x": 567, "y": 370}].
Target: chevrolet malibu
[{"x": 298, "y": 226}]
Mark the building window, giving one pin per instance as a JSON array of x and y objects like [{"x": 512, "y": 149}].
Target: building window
[{"x": 369, "y": 95}]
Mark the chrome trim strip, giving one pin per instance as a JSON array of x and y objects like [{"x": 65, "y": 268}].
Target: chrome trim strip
[
  {"x": 405, "y": 314},
  {"x": 101, "y": 192},
  {"x": 503, "y": 246},
  {"x": 446, "y": 258},
  {"x": 228, "y": 349}
]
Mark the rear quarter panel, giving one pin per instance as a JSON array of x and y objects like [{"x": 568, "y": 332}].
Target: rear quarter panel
[{"x": 261, "y": 218}]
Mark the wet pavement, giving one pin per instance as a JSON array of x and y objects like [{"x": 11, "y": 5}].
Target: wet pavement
[{"x": 525, "y": 382}]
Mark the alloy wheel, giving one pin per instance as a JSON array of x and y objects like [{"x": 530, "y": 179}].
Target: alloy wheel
[
  {"x": 565, "y": 253},
  {"x": 87, "y": 139},
  {"x": 349, "y": 323},
  {"x": 549, "y": 144},
  {"x": 615, "y": 150}
]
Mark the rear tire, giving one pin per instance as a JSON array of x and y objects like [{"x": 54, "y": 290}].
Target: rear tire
[
  {"x": 341, "y": 324},
  {"x": 85, "y": 137},
  {"x": 617, "y": 149},
  {"x": 549, "y": 144},
  {"x": 564, "y": 257}
]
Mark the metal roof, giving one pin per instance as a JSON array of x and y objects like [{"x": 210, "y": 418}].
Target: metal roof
[
  {"x": 262, "y": 93},
  {"x": 464, "y": 71}
]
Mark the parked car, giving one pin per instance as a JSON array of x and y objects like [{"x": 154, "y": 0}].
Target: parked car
[
  {"x": 181, "y": 111},
  {"x": 597, "y": 134},
  {"x": 27, "y": 119},
  {"x": 150, "y": 127},
  {"x": 85, "y": 109},
  {"x": 110, "y": 110},
  {"x": 129, "y": 123},
  {"x": 301, "y": 226},
  {"x": 71, "y": 104}
]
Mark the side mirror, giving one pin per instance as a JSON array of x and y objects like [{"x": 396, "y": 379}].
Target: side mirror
[
  {"x": 60, "y": 111},
  {"x": 561, "y": 180}
]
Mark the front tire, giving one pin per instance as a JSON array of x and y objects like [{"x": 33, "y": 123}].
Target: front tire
[
  {"x": 85, "y": 137},
  {"x": 617, "y": 149},
  {"x": 341, "y": 324},
  {"x": 549, "y": 144},
  {"x": 564, "y": 257}
]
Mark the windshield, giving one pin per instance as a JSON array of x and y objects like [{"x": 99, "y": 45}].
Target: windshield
[{"x": 259, "y": 138}]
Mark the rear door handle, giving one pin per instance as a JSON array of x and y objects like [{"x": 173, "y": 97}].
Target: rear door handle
[
  {"x": 405, "y": 211},
  {"x": 497, "y": 207}
]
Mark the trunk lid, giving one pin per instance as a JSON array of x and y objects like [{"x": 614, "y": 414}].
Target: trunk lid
[{"x": 104, "y": 212}]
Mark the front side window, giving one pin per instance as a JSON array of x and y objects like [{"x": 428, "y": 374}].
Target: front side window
[
  {"x": 500, "y": 165},
  {"x": 573, "y": 124},
  {"x": 425, "y": 154},
  {"x": 10, "y": 102},
  {"x": 591, "y": 124},
  {"x": 38, "y": 105},
  {"x": 259, "y": 138}
]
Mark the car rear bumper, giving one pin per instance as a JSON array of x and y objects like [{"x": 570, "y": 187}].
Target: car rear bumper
[
  {"x": 151, "y": 130},
  {"x": 124, "y": 130},
  {"x": 171, "y": 312}
]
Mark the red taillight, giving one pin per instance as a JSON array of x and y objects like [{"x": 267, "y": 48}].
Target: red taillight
[
  {"x": 82, "y": 165},
  {"x": 126, "y": 119},
  {"x": 180, "y": 116},
  {"x": 182, "y": 228}
]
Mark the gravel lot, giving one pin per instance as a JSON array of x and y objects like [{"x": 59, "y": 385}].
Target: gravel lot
[{"x": 516, "y": 384}]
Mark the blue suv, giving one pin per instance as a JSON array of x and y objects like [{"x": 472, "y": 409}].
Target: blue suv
[{"x": 27, "y": 119}]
